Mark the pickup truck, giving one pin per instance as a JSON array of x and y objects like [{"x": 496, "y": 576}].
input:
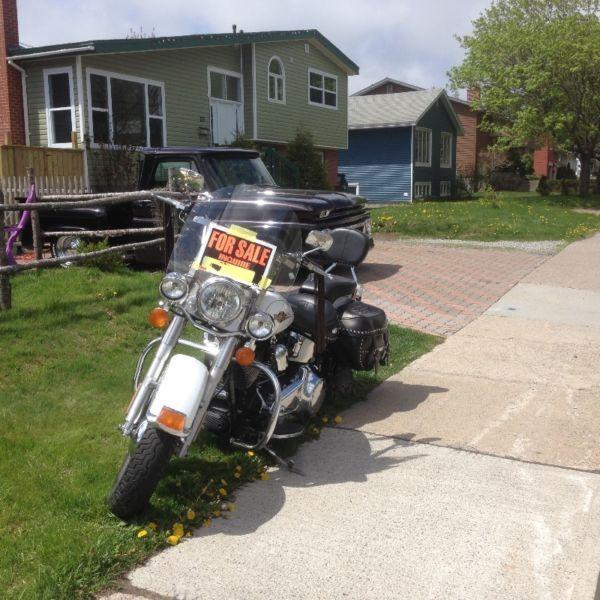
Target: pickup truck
[{"x": 221, "y": 167}]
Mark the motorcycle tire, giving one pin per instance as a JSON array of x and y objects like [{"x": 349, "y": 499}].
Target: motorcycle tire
[{"x": 142, "y": 469}]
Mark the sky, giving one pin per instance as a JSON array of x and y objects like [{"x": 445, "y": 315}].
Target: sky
[{"x": 410, "y": 40}]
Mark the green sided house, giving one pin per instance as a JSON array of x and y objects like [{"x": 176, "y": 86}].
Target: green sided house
[{"x": 194, "y": 90}]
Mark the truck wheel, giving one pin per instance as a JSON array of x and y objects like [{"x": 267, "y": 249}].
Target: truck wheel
[
  {"x": 142, "y": 469},
  {"x": 66, "y": 245}
]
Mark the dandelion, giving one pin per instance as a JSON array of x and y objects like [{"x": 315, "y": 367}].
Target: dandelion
[
  {"x": 250, "y": 453},
  {"x": 191, "y": 515},
  {"x": 231, "y": 507},
  {"x": 264, "y": 476},
  {"x": 178, "y": 529},
  {"x": 206, "y": 522},
  {"x": 223, "y": 491},
  {"x": 325, "y": 420},
  {"x": 338, "y": 420},
  {"x": 173, "y": 540},
  {"x": 217, "y": 513},
  {"x": 142, "y": 534}
]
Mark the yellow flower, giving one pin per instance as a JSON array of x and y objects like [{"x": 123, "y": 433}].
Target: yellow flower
[
  {"x": 152, "y": 526},
  {"x": 237, "y": 475},
  {"x": 178, "y": 529},
  {"x": 325, "y": 420},
  {"x": 224, "y": 482},
  {"x": 191, "y": 515},
  {"x": 264, "y": 476},
  {"x": 217, "y": 513},
  {"x": 338, "y": 420},
  {"x": 223, "y": 491},
  {"x": 173, "y": 540},
  {"x": 206, "y": 523},
  {"x": 250, "y": 453},
  {"x": 142, "y": 534},
  {"x": 231, "y": 507}
]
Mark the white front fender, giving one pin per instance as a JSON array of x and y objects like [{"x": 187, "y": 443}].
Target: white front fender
[{"x": 181, "y": 388}]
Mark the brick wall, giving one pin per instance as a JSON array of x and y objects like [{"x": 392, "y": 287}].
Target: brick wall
[
  {"x": 542, "y": 158},
  {"x": 466, "y": 144},
  {"x": 11, "y": 100},
  {"x": 331, "y": 166}
]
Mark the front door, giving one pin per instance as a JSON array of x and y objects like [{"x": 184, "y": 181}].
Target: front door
[{"x": 226, "y": 106}]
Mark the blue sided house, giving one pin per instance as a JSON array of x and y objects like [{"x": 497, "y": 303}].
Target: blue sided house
[{"x": 401, "y": 146}]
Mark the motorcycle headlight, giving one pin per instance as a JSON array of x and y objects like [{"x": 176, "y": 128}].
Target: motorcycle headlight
[
  {"x": 260, "y": 326},
  {"x": 220, "y": 300},
  {"x": 173, "y": 287}
]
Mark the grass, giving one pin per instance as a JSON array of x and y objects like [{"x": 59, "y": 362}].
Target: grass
[
  {"x": 491, "y": 216},
  {"x": 66, "y": 359}
]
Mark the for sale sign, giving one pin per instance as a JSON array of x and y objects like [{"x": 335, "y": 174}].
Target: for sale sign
[{"x": 235, "y": 252}]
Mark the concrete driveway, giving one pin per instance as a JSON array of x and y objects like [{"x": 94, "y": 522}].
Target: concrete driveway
[{"x": 472, "y": 474}]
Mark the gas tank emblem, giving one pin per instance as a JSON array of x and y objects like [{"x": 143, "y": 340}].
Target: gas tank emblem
[{"x": 281, "y": 316}]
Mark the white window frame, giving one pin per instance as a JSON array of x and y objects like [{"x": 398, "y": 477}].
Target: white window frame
[
  {"x": 279, "y": 81},
  {"x": 428, "y": 133},
  {"x": 49, "y": 124},
  {"x": 446, "y": 135},
  {"x": 143, "y": 80},
  {"x": 337, "y": 89},
  {"x": 422, "y": 189},
  {"x": 211, "y": 69},
  {"x": 445, "y": 189}
]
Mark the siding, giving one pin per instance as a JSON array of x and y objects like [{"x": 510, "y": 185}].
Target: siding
[
  {"x": 36, "y": 102},
  {"x": 279, "y": 122},
  {"x": 379, "y": 160},
  {"x": 185, "y": 77},
  {"x": 438, "y": 120}
]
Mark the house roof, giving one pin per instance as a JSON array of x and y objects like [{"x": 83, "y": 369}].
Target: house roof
[
  {"x": 189, "y": 41},
  {"x": 403, "y": 109},
  {"x": 383, "y": 81}
]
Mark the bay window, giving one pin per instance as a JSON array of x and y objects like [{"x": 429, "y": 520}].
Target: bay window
[{"x": 126, "y": 111}]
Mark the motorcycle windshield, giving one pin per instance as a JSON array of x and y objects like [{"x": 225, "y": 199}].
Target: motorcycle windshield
[{"x": 242, "y": 234}]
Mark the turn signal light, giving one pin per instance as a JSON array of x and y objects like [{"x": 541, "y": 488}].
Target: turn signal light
[
  {"x": 172, "y": 419},
  {"x": 158, "y": 318},
  {"x": 244, "y": 356}
]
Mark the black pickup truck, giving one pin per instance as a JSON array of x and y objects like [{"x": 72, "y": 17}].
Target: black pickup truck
[{"x": 221, "y": 167}]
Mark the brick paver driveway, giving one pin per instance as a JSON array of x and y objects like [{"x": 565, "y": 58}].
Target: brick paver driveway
[{"x": 440, "y": 289}]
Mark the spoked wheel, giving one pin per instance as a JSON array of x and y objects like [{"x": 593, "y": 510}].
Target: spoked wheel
[
  {"x": 66, "y": 245},
  {"x": 142, "y": 469}
]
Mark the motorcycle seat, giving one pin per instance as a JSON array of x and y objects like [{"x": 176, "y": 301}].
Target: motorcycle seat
[
  {"x": 305, "y": 315},
  {"x": 336, "y": 287}
]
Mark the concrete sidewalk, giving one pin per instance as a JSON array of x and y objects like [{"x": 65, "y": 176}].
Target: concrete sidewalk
[{"x": 473, "y": 473}]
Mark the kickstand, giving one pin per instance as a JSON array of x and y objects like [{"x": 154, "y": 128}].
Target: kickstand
[{"x": 282, "y": 462}]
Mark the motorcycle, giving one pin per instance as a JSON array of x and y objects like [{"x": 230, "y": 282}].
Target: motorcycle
[{"x": 262, "y": 352}]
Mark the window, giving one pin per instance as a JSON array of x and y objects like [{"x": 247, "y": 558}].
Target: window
[
  {"x": 422, "y": 147},
  {"x": 445, "y": 188},
  {"x": 445, "y": 150},
  {"x": 225, "y": 171},
  {"x": 225, "y": 86},
  {"x": 276, "y": 81},
  {"x": 126, "y": 111},
  {"x": 322, "y": 89},
  {"x": 60, "y": 106},
  {"x": 161, "y": 174},
  {"x": 422, "y": 190}
]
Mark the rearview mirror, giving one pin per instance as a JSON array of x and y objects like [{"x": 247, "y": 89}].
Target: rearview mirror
[
  {"x": 185, "y": 180},
  {"x": 320, "y": 239}
]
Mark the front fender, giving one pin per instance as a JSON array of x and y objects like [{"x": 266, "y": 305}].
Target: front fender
[{"x": 181, "y": 389}]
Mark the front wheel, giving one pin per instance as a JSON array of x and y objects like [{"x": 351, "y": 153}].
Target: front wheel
[{"x": 141, "y": 471}]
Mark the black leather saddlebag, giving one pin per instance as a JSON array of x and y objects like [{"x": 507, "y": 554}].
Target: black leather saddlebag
[{"x": 364, "y": 339}]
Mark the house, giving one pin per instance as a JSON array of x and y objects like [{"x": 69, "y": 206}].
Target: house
[
  {"x": 470, "y": 145},
  {"x": 192, "y": 90},
  {"x": 401, "y": 146}
]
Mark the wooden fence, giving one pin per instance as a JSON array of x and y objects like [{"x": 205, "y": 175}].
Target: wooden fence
[
  {"x": 166, "y": 232},
  {"x": 58, "y": 171}
]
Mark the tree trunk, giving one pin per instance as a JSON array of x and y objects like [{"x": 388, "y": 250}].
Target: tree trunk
[{"x": 584, "y": 175}]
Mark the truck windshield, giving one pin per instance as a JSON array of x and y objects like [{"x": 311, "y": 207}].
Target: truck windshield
[{"x": 235, "y": 170}]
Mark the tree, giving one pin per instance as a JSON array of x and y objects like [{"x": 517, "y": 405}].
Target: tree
[
  {"x": 302, "y": 153},
  {"x": 536, "y": 64}
]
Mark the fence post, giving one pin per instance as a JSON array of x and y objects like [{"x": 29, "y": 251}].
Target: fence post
[
  {"x": 5, "y": 291},
  {"x": 38, "y": 242}
]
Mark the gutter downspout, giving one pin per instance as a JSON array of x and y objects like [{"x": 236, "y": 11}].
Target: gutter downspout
[{"x": 24, "y": 93}]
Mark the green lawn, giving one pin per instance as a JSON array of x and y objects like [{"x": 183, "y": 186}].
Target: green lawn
[
  {"x": 66, "y": 359},
  {"x": 502, "y": 216}
]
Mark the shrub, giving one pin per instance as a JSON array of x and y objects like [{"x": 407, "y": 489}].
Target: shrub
[
  {"x": 543, "y": 187},
  {"x": 112, "y": 262},
  {"x": 302, "y": 153},
  {"x": 565, "y": 172},
  {"x": 509, "y": 181}
]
